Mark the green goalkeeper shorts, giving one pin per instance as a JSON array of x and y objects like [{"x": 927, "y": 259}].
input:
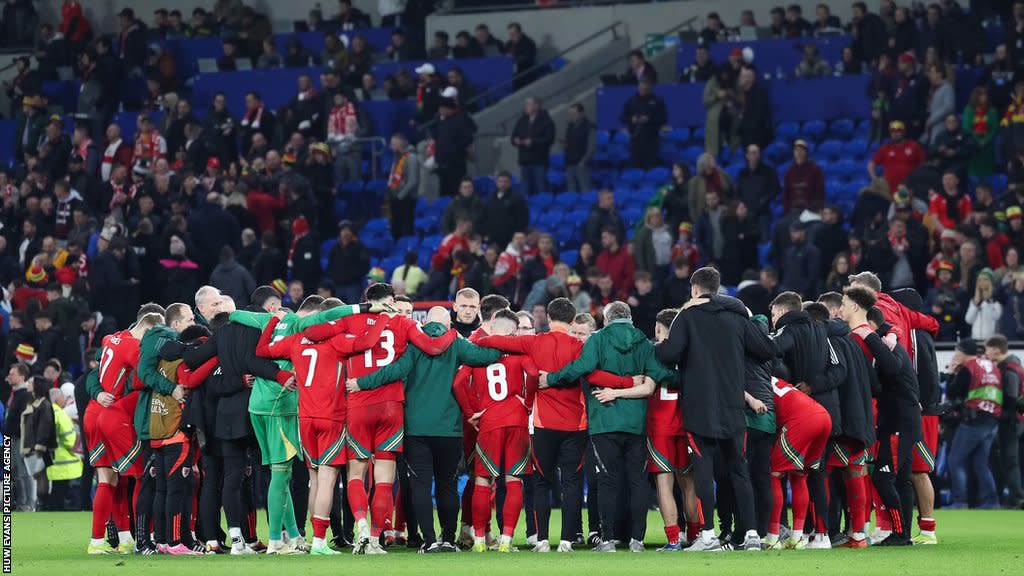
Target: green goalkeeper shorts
[{"x": 278, "y": 437}]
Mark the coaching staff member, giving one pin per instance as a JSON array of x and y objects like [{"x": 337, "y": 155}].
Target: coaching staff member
[{"x": 710, "y": 340}]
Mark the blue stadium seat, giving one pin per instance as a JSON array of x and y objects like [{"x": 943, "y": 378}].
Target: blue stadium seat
[
  {"x": 997, "y": 182},
  {"x": 540, "y": 201},
  {"x": 622, "y": 196},
  {"x": 697, "y": 135},
  {"x": 632, "y": 176},
  {"x": 733, "y": 170},
  {"x": 777, "y": 152},
  {"x": 424, "y": 257},
  {"x": 845, "y": 168},
  {"x": 406, "y": 244},
  {"x": 390, "y": 263},
  {"x": 726, "y": 155},
  {"x": 484, "y": 185},
  {"x": 691, "y": 154},
  {"x": 856, "y": 146},
  {"x": 787, "y": 131},
  {"x": 841, "y": 129},
  {"x": 588, "y": 198},
  {"x": 325, "y": 249},
  {"x": 556, "y": 178},
  {"x": 557, "y": 160},
  {"x": 814, "y": 129},
  {"x": 830, "y": 149},
  {"x": 603, "y": 138},
  {"x": 631, "y": 216},
  {"x": 643, "y": 195},
  {"x": 550, "y": 221},
  {"x": 427, "y": 224},
  {"x": 621, "y": 137},
  {"x": 657, "y": 176},
  {"x": 567, "y": 199},
  {"x": 431, "y": 242},
  {"x": 678, "y": 135},
  {"x": 569, "y": 257},
  {"x": 340, "y": 207}
]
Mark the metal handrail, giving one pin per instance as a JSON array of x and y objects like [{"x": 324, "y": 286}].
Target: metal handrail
[
  {"x": 532, "y": 69},
  {"x": 688, "y": 23},
  {"x": 375, "y": 152},
  {"x": 528, "y": 6}
]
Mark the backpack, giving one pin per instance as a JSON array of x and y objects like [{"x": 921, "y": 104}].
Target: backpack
[{"x": 165, "y": 411}]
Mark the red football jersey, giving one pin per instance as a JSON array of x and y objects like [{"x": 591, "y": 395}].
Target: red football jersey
[
  {"x": 394, "y": 339},
  {"x": 504, "y": 391},
  {"x": 792, "y": 405},
  {"x": 664, "y": 417},
  {"x": 560, "y": 408},
  {"x": 118, "y": 360},
  {"x": 318, "y": 366}
]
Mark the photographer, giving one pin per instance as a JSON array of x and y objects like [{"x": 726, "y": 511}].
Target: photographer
[
  {"x": 976, "y": 393},
  {"x": 1011, "y": 423}
]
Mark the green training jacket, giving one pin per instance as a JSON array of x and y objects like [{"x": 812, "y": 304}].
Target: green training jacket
[
  {"x": 430, "y": 406},
  {"x": 623, "y": 350},
  {"x": 149, "y": 373}
]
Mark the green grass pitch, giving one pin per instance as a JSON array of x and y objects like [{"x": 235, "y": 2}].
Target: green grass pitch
[{"x": 970, "y": 542}]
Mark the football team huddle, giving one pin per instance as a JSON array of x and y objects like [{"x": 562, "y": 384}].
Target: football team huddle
[{"x": 362, "y": 419}]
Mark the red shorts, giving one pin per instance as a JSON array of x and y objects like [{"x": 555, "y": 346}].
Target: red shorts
[
  {"x": 924, "y": 451},
  {"x": 376, "y": 430},
  {"x": 323, "y": 441},
  {"x": 800, "y": 447},
  {"x": 469, "y": 435},
  {"x": 503, "y": 452},
  {"x": 667, "y": 454},
  {"x": 112, "y": 439},
  {"x": 844, "y": 452}
]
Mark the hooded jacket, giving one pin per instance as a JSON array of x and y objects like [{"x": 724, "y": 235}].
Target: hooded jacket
[
  {"x": 430, "y": 405},
  {"x": 710, "y": 343},
  {"x": 805, "y": 350},
  {"x": 855, "y": 389},
  {"x": 623, "y": 350}
]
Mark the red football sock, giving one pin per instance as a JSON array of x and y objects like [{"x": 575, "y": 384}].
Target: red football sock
[
  {"x": 672, "y": 533},
  {"x": 801, "y": 498},
  {"x": 381, "y": 508},
  {"x": 357, "y": 499},
  {"x": 481, "y": 509},
  {"x": 120, "y": 506},
  {"x": 250, "y": 521},
  {"x": 468, "y": 494},
  {"x": 320, "y": 526},
  {"x": 102, "y": 503},
  {"x": 778, "y": 499},
  {"x": 513, "y": 506},
  {"x": 855, "y": 497},
  {"x": 693, "y": 529},
  {"x": 399, "y": 512},
  {"x": 926, "y": 524}
]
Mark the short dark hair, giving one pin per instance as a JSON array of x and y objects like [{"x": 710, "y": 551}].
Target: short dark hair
[
  {"x": 506, "y": 314},
  {"x": 643, "y": 275},
  {"x": 379, "y": 291},
  {"x": 175, "y": 312},
  {"x": 999, "y": 342},
  {"x": 150, "y": 308},
  {"x": 831, "y": 299},
  {"x": 311, "y": 303},
  {"x": 875, "y": 316},
  {"x": 491, "y": 304},
  {"x": 561, "y": 310},
  {"x": 790, "y": 301},
  {"x": 220, "y": 320},
  {"x": 41, "y": 387},
  {"x": 262, "y": 294},
  {"x": 707, "y": 279},
  {"x": 194, "y": 332},
  {"x": 666, "y": 317},
  {"x": 330, "y": 303},
  {"x": 23, "y": 370},
  {"x": 516, "y": 26},
  {"x": 861, "y": 296},
  {"x": 817, "y": 311},
  {"x": 403, "y": 298}
]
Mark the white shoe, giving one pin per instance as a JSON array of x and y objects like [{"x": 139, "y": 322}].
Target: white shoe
[
  {"x": 542, "y": 546},
  {"x": 280, "y": 547},
  {"x": 373, "y": 548},
  {"x": 819, "y": 542},
  {"x": 702, "y": 544},
  {"x": 300, "y": 544},
  {"x": 878, "y": 535},
  {"x": 243, "y": 550},
  {"x": 636, "y": 546},
  {"x": 565, "y": 546},
  {"x": 531, "y": 540},
  {"x": 362, "y": 538}
]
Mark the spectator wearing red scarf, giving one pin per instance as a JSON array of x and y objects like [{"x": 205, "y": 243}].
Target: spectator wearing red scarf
[{"x": 981, "y": 122}]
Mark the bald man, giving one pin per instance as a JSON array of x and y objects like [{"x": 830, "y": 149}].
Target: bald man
[{"x": 433, "y": 424}]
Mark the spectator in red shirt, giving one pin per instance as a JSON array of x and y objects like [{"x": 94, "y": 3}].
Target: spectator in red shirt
[
  {"x": 949, "y": 207},
  {"x": 898, "y": 158},
  {"x": 616, "y": 261},
  {"x": 996, "y": 242},
  {"x": 459, "y": 238},
  {"x": 264, "y": 206}
]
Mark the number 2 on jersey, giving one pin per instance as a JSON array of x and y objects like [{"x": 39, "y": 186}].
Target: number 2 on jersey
[
  {"x": 387, "y": 342},
  {"x": 497, "y": 383}
]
